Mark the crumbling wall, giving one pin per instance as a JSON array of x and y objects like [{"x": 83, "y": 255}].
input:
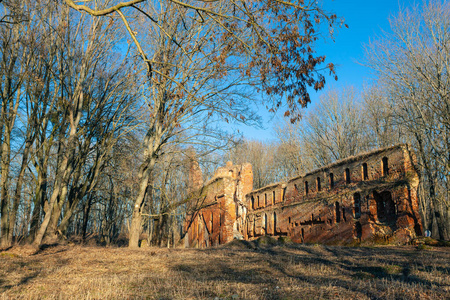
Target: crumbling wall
[
  {"x": 219, "y": 210},
  {"x": 369, "y": 198}
]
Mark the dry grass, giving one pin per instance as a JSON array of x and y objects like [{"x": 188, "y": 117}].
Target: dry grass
[{"x": 236, "y": 271}]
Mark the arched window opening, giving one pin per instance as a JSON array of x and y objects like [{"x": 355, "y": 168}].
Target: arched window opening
[
  {"x": 385, "y": 166},
  {"x": 265, "y": 199},
  {"x": 331, "y": 180},
  {"x": 306, "y": 188},
  {"x": 365, "y": 174},
  {"x": 357, "y": 205},
  {"x": 319, "y": 187},
  {"x": 347, "y": 175},
  {"x": 258, "y": 203},
  {"x": 273, "y": 196},
  {"x": 253, "y": 202},
  {"x": 337, "y": 212}
]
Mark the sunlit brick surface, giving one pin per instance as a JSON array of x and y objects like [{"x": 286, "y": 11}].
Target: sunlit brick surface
[{"x": 369, "y": 198}]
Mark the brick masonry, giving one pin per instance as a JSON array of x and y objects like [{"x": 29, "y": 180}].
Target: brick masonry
[{"x": 369, "y": 198}]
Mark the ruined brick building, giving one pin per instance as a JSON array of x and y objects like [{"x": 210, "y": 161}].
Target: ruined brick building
[{"x": 367, "y": 198}]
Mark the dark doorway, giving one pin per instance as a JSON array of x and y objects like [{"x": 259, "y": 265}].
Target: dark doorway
[
  {"x": 358, "y": 231},
  {"x": 337, "y": 212},
  {"x": 357, "y": 205},
  {"x": 274, "y": 223},
  {"x": 265, "y": 224}
]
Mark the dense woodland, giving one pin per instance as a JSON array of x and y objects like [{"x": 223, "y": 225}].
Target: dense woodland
[{"x": 103, "y": 108}]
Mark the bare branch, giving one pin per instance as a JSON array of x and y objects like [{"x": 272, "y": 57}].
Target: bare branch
[{"x": 102, "y": 12}]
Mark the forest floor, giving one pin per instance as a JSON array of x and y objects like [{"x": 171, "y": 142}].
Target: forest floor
[{"x": 239, "y": 270}]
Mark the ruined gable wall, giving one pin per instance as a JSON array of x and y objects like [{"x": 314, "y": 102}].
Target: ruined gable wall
[{"x": 217, "y": 217}]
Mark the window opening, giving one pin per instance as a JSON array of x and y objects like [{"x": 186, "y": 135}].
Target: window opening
[
  {"x": 365, "y": 174},
  {"x": 385, "y": 206},
  {"x": 347, "y": 175},
  {"x": 385, "y": 166}
]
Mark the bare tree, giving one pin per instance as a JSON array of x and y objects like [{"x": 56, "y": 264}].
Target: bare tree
[
  {"x": 203, "y": 51},
  {"x": 382, "y": 129},
  {"x": 13, "y": 70},
  {"x": 413, "y": 63},
  {"x": 334, "y": 129},
  {"x": 261, "y": 155}
]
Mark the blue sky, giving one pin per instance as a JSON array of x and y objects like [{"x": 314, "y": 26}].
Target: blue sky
[{"x": 366, "y": 20}]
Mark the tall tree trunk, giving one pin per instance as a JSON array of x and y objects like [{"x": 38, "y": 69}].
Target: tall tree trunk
[
  {"x": 136, "y": 217},
  {"x": 152, "y": 142},
  {"x": 61, "y": 182},
  {"x": 87, "y": 209},
  {"x": 4, "y": 193},
  {"x": 19, "y": 184}
]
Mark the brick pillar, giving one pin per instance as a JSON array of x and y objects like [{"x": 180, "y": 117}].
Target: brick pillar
[
  {"x": 247, "y": 178},
  {"x": 195, "y": 175}
]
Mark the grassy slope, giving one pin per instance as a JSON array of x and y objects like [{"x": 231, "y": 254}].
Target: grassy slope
[{"x": 231, "y": 272}]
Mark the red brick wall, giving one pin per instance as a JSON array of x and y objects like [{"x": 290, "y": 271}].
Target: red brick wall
[
  {"x": 327, "y": 214},
  {"x": 388, "y": 209}
]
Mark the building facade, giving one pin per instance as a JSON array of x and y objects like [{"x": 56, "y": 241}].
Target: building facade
[{"x": 369, "y": 198}]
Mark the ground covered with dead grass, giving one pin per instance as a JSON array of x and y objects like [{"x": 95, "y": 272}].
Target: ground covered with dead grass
[{"x": 238, "y": 271}]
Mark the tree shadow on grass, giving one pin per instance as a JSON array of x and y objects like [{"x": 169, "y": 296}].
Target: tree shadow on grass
[
  {"x": 358, "y": 267},
  {"x": 27, "y": 269}
]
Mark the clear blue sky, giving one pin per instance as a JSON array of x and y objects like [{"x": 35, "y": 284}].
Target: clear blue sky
[{"x": 366, "y": 20}]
